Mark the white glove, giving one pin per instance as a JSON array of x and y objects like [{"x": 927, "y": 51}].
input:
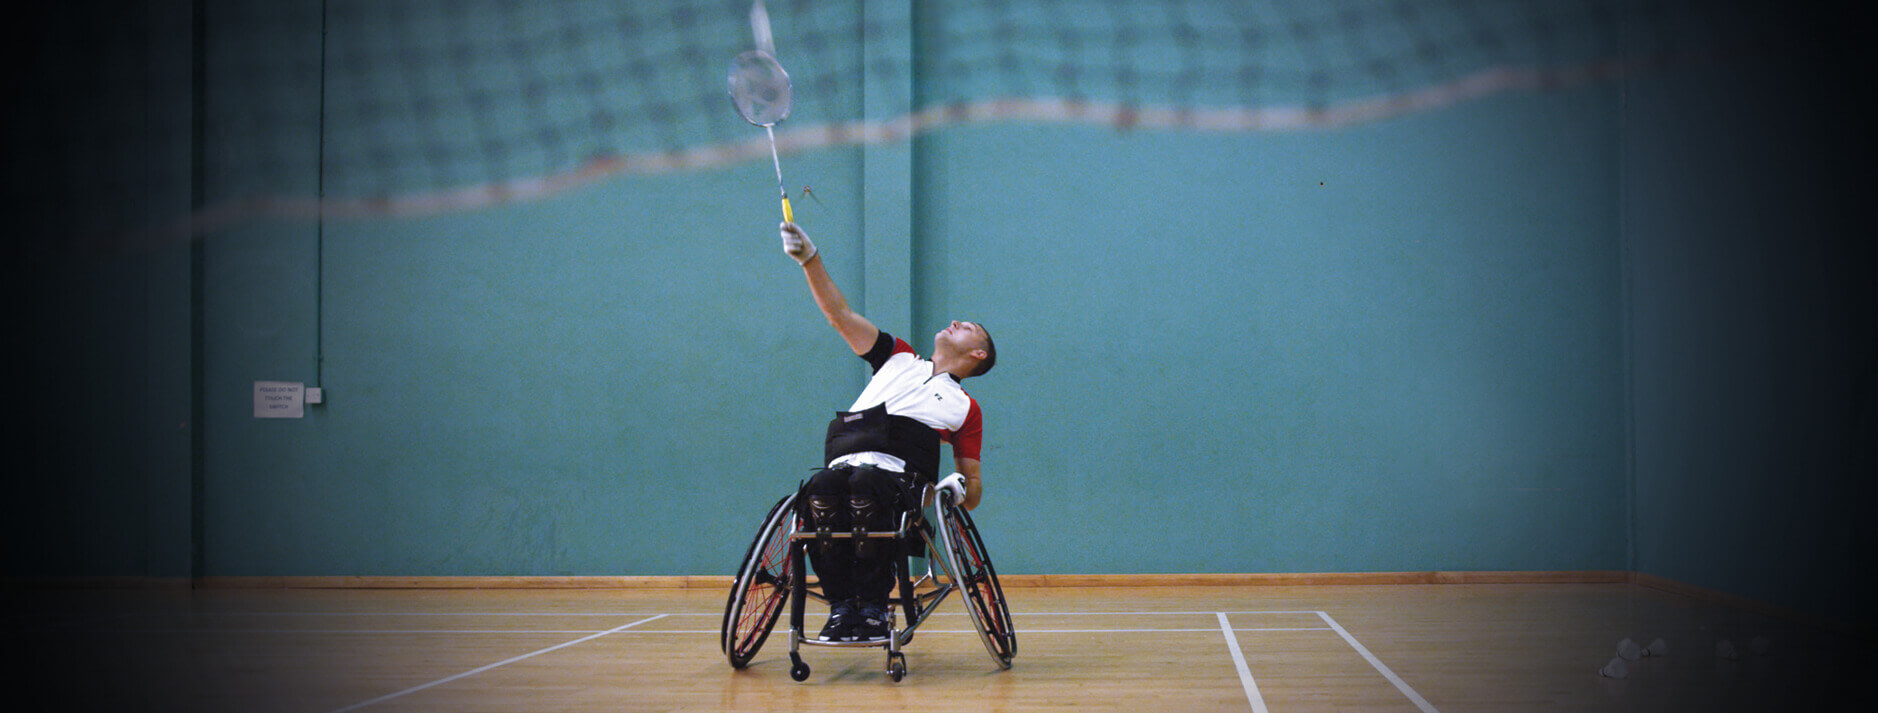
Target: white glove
[
  {"x": 953, "y": 484},
  {"x": 796, "y": 244}
]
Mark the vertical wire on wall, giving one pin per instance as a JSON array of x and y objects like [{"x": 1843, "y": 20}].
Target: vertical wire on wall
[
  {"x": 319, "y": 229},
  {"x": 198, "y": 268},
  {"x": 1626, "y": 311}
]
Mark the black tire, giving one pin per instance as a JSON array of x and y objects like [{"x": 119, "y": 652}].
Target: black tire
[
  {"x": 896, "y": 667},
  {"x": 978, "y": 583},
  {"x": 761, "y": 590},
  {"x": 799, "y": 671}
]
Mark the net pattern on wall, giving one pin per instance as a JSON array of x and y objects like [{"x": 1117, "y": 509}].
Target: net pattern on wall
[{"x": 435, "y": 105}]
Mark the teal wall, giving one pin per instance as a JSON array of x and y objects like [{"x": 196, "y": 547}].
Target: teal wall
[
  {"x": 1392, "y": 347},
  {"x": 1558, "y": 330},
  {"x": 100, "y": 387},
  {"x": 1752, "y": 317},
  {"x": 1345, "y": 376}
]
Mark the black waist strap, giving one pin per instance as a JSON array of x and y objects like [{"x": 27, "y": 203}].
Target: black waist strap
[{"x": 876, "y": 430}]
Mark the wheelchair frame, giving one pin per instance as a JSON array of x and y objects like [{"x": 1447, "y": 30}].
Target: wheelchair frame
[{"x": 773, "y": 572}]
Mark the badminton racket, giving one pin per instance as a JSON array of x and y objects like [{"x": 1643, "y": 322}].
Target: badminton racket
[{"x": 760, "y": 91}]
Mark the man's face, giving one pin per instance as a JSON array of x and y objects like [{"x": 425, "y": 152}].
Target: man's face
[{"x": 960, "y": 338}]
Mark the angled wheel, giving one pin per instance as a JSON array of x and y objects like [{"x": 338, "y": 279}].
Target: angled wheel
[
  {"x": 896, "y": 666},
  {"x": 761, "y": 589},
  {"x": 977, "y": 581},
  {"x": 798, "y": 670}
]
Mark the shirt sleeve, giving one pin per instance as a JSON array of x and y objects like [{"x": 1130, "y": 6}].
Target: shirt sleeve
[
  {"x": 969, "y": 439},
  {"x": 885, "y": 346}
]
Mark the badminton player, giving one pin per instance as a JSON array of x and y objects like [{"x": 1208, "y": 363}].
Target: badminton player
[{"x": 885, "y": 446}]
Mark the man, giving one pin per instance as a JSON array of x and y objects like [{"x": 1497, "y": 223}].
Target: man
[{"x": 884, "y": 447}]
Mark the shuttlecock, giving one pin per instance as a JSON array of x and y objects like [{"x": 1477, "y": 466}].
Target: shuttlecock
[
  {"x": 1658, "y": 647},
  {"x": 1628, "y": 651},
  {"x": 1615, "y": 669},
  {"x": 1726, "y": 649},
  {"x": 1761, "y": 645}
]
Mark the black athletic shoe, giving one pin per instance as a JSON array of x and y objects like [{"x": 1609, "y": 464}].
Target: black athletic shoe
[
  {"x": 872, "y": 622},
  {"x": 841, "y": 620}
]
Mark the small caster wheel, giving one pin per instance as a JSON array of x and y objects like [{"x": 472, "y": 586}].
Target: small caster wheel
[
  {"x": 896, "y": 667},
  {"x": 798, "y": 669}
]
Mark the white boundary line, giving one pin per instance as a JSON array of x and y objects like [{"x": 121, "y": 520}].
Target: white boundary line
[
  {"x": 1253, "y": 696},
  {"x": 503, "y": 662},
  {"x": 1238, "y": 661},
  {"x": 537, "y": 632},
  {"x": 1400, "y": 685},
  {"x": 661, "y": 614},
  {"x": 642, "y": 632}
]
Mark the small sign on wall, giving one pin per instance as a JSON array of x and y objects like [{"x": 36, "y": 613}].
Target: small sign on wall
[{"x": 279, "y": 399}]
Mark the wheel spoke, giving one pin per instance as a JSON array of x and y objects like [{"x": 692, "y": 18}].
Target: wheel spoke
[{"x": 762, "y": 586}]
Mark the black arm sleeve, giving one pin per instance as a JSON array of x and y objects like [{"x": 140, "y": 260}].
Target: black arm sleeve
[{"x": 876, "y": 355}]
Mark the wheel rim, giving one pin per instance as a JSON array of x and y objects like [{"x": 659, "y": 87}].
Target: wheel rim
[
  {"x": 978, "y": 581},
  {"x": 762, "y": 588}
]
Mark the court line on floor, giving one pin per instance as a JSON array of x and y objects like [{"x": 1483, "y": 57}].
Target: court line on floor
[
  {"x": 1229, "y": 632},
  {"x": 497, "y": 664},
  {"x": 1238, "y": 661},
  {"x": 1400, "y": 685},
  {"x": 635, "y": 614},
  {"x": 647, "y": 632},
  {"x": 1020, "y": 629}
]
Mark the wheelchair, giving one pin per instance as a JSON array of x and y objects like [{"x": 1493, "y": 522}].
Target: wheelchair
[{"x": 773, "y": 575}]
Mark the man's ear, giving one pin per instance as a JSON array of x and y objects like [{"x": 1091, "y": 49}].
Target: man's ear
[{"x": 979, "y": 354}]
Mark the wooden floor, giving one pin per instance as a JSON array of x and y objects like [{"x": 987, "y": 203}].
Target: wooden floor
[{"x": 1453, "y": 648}]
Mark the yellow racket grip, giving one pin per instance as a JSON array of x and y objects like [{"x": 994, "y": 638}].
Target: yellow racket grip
[{"x": 789, "y": 216}]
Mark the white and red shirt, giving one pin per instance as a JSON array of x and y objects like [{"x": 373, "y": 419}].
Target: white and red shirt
[{"x": 906, "y": 384}]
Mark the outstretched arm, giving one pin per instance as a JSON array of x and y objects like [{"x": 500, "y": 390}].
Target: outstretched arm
[{"x": 853, "y": 328}]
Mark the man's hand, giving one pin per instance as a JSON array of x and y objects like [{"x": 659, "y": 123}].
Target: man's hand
[
  {"x": 796, "y": 244},
  {"x": 953, "y": 484}
]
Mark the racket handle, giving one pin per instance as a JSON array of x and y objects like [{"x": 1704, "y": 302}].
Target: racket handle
[{"x": 789, "y": 216}]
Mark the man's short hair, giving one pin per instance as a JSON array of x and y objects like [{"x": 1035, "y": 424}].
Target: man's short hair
[{"x": 991, "y": 353}]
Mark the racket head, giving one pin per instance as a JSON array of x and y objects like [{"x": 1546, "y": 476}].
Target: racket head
[{"x": 759, "y": 88}]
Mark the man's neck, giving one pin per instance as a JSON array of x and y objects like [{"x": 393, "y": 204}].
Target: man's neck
[{"x": 948, "y": 366}]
